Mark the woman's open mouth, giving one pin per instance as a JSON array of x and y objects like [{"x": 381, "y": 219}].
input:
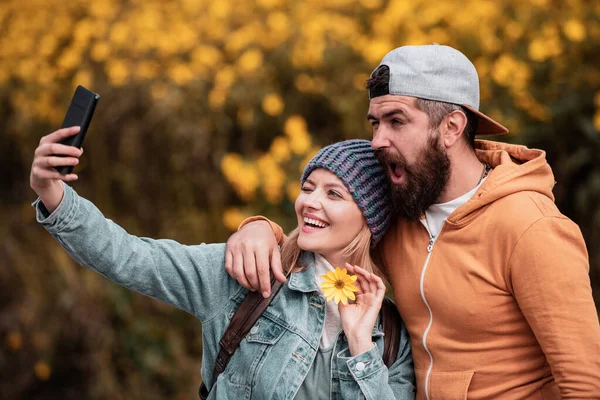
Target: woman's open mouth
[{"x": 313, "y": 225}]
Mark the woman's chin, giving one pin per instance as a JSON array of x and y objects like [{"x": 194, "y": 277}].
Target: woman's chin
[{"x": 309, "y": 244}]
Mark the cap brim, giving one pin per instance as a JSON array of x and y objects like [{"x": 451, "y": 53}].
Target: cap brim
[{"x": 486, "y": 125}]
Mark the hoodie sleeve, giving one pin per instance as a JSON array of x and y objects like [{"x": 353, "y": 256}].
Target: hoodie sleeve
[
  {"x": 277, "y": 231},
  {"x": 549, "y": 275}
]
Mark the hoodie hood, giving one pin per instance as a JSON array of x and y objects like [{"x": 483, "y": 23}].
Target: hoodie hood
[{"x": 516, "y": 168}]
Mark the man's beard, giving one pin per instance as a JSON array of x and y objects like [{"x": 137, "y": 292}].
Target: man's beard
[{"x": 426, "y": 179}]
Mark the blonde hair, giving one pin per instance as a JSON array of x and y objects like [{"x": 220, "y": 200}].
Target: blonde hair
[{"x": 357, "y": 252}]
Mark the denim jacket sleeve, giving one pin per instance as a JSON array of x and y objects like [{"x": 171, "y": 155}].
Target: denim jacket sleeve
[
  {"x": 191, "y": 278},
  {"x": 365, "y": 376}
]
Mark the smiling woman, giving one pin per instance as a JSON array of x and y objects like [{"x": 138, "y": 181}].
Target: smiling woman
[{"x": 303, "y": 346}]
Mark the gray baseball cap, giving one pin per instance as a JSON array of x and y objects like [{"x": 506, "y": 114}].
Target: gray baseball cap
[{"x": 436, "y": 72}]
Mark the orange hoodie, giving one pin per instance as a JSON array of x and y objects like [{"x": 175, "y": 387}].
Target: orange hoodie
[{"x": 499, "y": 305}]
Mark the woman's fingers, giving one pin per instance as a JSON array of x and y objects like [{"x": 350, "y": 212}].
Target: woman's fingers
[
  {"x": 57, "y": 149},
  {"x": 53, "y": 161},
  {"x": 370, "y": 283},
  {"x": 60, "y": 135},
  {"x": 350, "y": 268},
  {"x": 360, "y": 284},
  {"x": 52, "y": 174}
]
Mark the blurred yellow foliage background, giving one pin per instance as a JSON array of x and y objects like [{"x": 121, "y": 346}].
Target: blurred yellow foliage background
[{"x": 209, "y": 110}]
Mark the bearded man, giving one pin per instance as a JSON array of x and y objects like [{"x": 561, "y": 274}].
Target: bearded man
[{"x": 491, "y": 280}]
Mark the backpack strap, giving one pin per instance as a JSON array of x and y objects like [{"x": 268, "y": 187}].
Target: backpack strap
[
  {"x": 392, "y": 323},
  {"x": 253, "y": 306}
]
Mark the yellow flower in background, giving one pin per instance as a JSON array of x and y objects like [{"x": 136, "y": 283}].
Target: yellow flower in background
[
  {"x": 280, "y": 149},
  {"x": 42, "y": 370},
  {"x": 294, "y": 124},
  {"x": 250, "y": 61},
  {"x": 574, "y": 30},
  {"x": 232, "y": 218},
  {"x": 272, "y": 104},
  {"x": 14, "y": 340},
  {"x": 339, "y": 285},
  {"x": 293, "y": 190},
  {"x": 300, "y": 143}
]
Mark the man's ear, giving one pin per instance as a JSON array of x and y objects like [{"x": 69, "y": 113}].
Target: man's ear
[{"x": 452, "y": 127}]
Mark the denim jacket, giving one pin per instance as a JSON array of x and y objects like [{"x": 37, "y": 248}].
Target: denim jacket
[{"x": 274, "y": 358}]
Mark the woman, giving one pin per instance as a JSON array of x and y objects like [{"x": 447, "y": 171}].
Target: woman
[{"x": 302, "y": 347}]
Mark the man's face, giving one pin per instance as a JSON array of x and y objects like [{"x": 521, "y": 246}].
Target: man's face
[{"x": 416, "y": 162}]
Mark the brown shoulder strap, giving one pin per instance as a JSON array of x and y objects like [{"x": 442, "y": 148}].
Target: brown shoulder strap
[
  {"x": 391, "y": 321},
  {"x": 253, "y": 306}
]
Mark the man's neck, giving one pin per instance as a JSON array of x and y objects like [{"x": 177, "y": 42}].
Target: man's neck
[{"x": 465, "y": 173}]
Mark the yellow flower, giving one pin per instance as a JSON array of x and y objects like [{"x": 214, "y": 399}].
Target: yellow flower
[
  {"x": 338, "y": 285},
  {"x": 272, "y": 104},
  {"x": 574, "y": 30},
  {"x": 42, "y": 370},
  {"x": 232, "y": 218}
]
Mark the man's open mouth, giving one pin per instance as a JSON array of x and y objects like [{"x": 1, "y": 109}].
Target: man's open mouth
[{"x": 396, "y": 172}]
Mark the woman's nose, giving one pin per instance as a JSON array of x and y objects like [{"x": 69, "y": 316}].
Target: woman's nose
[{"x": 313, "y": 200}]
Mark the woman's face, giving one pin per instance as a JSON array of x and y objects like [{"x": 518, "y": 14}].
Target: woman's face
[{"x": 328, "y": 217}]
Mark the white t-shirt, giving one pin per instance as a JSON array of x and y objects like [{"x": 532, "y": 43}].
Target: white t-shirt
[{"x": 436, "y": 214}]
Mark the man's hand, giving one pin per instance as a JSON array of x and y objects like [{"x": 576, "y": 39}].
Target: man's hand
[
  {"x": 250, "y": 256},
  {"x": 44, "y": 179}
]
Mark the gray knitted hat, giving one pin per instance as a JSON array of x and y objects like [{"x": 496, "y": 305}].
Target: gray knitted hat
[{"x": 354, "y": 162}]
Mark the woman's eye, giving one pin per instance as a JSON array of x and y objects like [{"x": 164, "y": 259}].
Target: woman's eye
[
  {"x": 335, "y": 194},
  {"x": 305, "y": 189}
]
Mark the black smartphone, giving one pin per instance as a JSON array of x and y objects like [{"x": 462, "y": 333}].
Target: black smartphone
[{"x": 80, "y": 113}]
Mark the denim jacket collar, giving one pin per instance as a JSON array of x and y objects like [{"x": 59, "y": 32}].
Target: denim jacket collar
[{"x": 304, "y": 281}]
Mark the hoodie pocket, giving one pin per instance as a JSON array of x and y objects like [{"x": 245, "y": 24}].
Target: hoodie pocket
[{"x": 444, "y": 385}]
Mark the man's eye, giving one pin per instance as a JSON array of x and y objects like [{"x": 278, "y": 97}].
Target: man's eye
[
  {"x": 396, "y": 121},
  {"x": 374, "y": 124}
]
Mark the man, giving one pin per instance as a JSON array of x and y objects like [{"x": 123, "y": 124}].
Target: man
[{"x": 489, "y": 277}]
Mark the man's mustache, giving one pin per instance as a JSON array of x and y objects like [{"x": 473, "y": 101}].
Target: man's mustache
[{"x": 386, "y": 157}]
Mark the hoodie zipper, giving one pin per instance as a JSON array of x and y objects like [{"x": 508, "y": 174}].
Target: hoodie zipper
[{"x": 429, "y": 250}]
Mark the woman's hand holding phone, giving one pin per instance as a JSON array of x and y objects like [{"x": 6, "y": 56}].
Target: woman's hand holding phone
[{"x": 45, "y": 180}]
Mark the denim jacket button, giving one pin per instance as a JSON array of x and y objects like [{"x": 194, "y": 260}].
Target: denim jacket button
[
  {"x": 360, "y": 366},
  {"x": 254, "y": 330}
]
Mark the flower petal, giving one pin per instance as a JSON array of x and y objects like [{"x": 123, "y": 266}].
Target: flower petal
[
  {"x": 349, "y": 294},
  {"x": 353, "y": 278},
  {"x": 351, "y": 287},
  {"x": 331, "y": 275},
  {"x": 338, "y": 296}
]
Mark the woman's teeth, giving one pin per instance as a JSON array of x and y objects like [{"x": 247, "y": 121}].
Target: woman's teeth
[{"x": 314, "y": 222}]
